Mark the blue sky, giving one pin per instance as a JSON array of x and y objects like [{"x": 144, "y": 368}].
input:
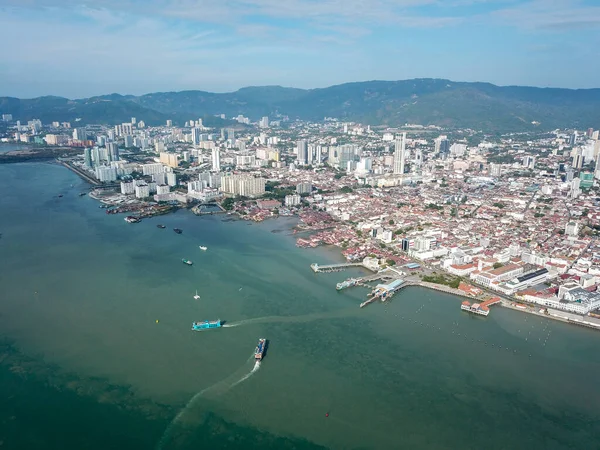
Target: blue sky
[{"x": 78, "y": 49}]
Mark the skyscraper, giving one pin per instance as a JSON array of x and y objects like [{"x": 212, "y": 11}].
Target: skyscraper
[
  {"x": 87, "y": 154},
  {"x": 196, "y": 136},
  {"x": 216, "y": 160},
  {"x": 399, "y": 151},
  {"x": 302, "y": 152},
  {"x": 442, "y": 146},
  {"x": 112, "y": 151}
]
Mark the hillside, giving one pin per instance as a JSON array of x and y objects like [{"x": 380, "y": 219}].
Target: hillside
[{"x": 422, "y": 101}]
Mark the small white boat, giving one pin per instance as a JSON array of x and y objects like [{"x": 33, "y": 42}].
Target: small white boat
[
  {"x": 203, "y": 248},
  {"x": 196, "y": 297}
]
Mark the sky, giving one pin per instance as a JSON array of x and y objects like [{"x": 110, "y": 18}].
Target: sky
[{"x": 78, "y": 49}]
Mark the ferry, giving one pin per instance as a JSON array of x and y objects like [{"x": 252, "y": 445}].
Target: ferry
[
  {"x": 132, "y": 219},
  {"x": 259, "y": 352},
  {"x": 187, "y": 261},
  {"x": 161, "y": 226},
  {"x": 203, "y": 248},
  {"x": 178, "y": 230},
  {"x": 199, "y": 326},
  {"x": 348, "y": 283}
]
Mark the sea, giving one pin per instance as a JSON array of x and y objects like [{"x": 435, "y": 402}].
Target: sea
[{"x": 97, "y": 350}]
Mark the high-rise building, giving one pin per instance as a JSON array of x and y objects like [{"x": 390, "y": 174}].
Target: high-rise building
[
  {"x": 152, "y": 168},
  {"x": 171, "y": 178},
  {"x": 529, "y": 162},
  {"x": 590, "y": 132},
  {"x": 127, "y": 187},
  {"x": 196, "y": 135},
  {"x": 169, "y": 123},
  {"x": 106, "y": 173},
  {"x": 80, "y": 134},
  {"x": 142, "y": 191},
  {"x": 293, "y": 200},
  {"x": 169, "y": 159},
  {"x": 304, "y": 188},
  {"x": 87, "y": 157},
  {"x": 442, "y": 146},
  {"x": 112, "y": 151},
  {"x": 577, "y": 161},
  {"x": 128, "y": 141},
  {"x": 573, "y": 139},
  {"x": 399, "y": 151},
  {"x": 302, "y": 152},
  {"x": 244, "y": 185},
  {"x": 264, "y": 122},
  {"x": 216, "y": 160}
]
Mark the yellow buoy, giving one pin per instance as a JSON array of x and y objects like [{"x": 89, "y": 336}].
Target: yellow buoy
[{"x": 156, "y": 320}]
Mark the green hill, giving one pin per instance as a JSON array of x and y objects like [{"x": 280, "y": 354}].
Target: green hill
[{"x": 480, "y": 106}]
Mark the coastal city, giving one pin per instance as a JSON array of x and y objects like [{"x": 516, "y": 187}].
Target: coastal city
[{"x": 496, "y": 218}]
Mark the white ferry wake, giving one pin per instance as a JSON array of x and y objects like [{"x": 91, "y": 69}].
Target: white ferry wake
[{"x": 216, "y": 389}]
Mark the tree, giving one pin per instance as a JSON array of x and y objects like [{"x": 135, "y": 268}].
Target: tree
[
  {"x": 497, "y": 265},
  {"x": 346, "y": 190},
  {"x": 391, "y": 262},
  {"x": 391, "y": 222}
]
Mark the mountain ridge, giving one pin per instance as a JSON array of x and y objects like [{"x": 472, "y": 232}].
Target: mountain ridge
[{"x": 425, "y": 101}]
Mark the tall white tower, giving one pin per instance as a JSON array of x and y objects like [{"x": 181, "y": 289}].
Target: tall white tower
[
  {"x": 399, "y": 151},
  {"x": 216, "y": 160}
]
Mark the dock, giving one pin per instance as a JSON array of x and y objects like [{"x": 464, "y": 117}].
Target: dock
[{"x": 333, "y": 267}]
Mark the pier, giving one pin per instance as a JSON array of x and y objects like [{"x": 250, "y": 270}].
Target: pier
[{"x": 334, "y": 267}]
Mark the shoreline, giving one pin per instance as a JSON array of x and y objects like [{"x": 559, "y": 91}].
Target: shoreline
[{"x": 337, "y": 252}]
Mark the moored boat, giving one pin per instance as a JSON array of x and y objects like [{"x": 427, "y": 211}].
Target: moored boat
[
  {"x": 132, "y": 219},
  {"x": 259, "y": 352},
  {"x": 206, "y": 325}
]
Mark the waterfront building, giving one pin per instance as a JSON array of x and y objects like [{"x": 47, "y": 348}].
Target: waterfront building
[
  {"x": 142, "y": 191},
  {"x": 244, "y": 185},
  {"x": 169, "y": 123},
  {"x": 503, "y": 273},
  {"x": 127, "y": 187},
  {"x": 399, "y": 153},
  {"x": 293, "y": 200},
  {"x": 87, "y": 157},
  {"x": 106, "y": 174}
]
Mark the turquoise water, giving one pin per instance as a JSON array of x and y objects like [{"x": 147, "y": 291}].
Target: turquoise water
[{"x": 82, "y": 292}]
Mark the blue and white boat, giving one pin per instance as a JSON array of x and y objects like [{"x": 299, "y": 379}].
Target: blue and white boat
[{"x": 207, "y": 324}]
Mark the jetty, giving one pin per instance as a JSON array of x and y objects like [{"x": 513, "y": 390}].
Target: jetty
[{"x": 334, "y": 267}]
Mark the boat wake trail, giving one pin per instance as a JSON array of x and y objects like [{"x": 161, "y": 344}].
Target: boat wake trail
[
  {"x": 248, "y": 375},
  {"x": 294, "y": 319},
  {"x": 216, "y": 389}
]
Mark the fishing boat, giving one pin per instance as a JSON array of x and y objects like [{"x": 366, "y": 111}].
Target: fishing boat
[
  {"x": 187, "y": 261},
  {"x": 206, "y": 325},
  {"x": 161, "y": 226},
  {"x": 203, "y": 248},
  {"x": 178, "y": 230},
  {"x": 196, "y": 297}
]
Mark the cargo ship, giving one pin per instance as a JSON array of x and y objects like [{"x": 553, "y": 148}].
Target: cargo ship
[
  {"x": 259, "y": 352},
  {"x": 206, "y": 325},
  {"x": 178, "y": 230},
  {"x": 187, "y": 261},
  {"x": 132, "y": 219}
]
